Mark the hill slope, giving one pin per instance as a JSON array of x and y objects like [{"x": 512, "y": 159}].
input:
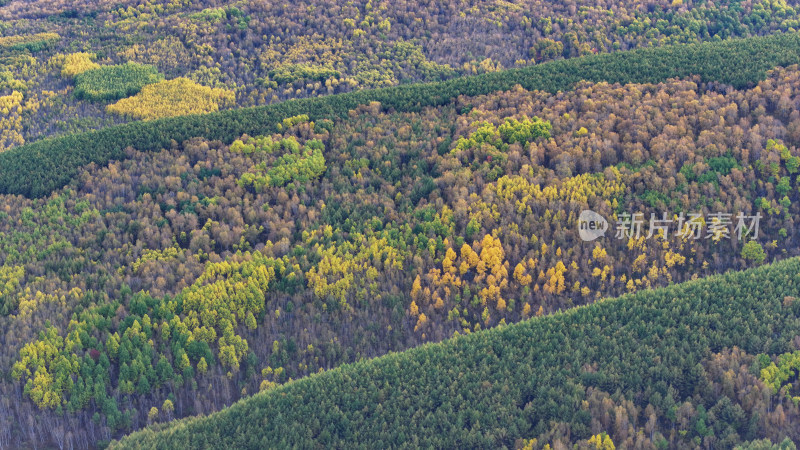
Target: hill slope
[
  {"x": 36, "y": 169},
  {"x": 373, "y": 234},
  {"x": 266, "y": 52},
  {"x": 493, "y": 388}
]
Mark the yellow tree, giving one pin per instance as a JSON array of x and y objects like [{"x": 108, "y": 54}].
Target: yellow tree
[{"x": 520, "y": 275}]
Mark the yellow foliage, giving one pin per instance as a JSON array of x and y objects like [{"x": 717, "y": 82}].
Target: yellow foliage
[
  {"x": 555, "y": 279},
  {"x": 492, "y": 252},
  {"x": 652, "y": 273},
  {"x": 639, "y": 262},
  {"x": 447, "y": 264},
  {"x": 40, "y": 360},
  {"x": 266, "y": 385},
  {"x": 673, "y": 258},
  {"x": 169, "y": 98},
  {"x": 9, "y": 102},
  {"x": 152, "y": 415},
  {"x": 74, "y": 63},
  {"x": 421, "y": 321},
  {"x": 469, "y": 255},
  {"x": 414, "y": 309},
  {"x": 28, "y": 304},
  {"x": 10, "y": 277},
  {"x": 166, "y": 254},
  {"x": 224, "y": 294},
  {"x": 602, "y": 442},
  {"x": 599, "y": 252},
  {"x": 339, "y": 264},
  {"x": 526, "y": 310},
  {"x": 580, "y": 188},
  {"x": 520, "y": 276},
  {"x": 415, "y": 288},
  {"x": 481, "y": 267}
]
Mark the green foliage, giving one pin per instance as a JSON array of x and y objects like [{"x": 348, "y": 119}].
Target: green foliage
[
  {"x": 225, "y": 294},
  {"x": 48, "y": 366},
  {"x": 717, "y": 166},
  {"x": 499, "y": 379},
  {"x": 515, "y": 131},
  {"x": 109, "y": 83},
  {"x": 33, "y": 43},
  {"x": 777, "y": 375},
  {"x": 792, "y": 163},
  {"x": 473, "y": 227},
  {"x": 10, "y": 278},
  {"x": 213, "y": 15},
  {"x": 753, "y": 251},
  {"x": 509, "y": 132},
  {"x": 205, "y": 313},
  {"x": 299, "y": 164},
  {"x": 258, "y": 144},
  {"x": 37, "y": 169},
  {"x": 766, "y": 444},
  {"x": 292, "y": 121},
  {"x": 7, "y": 81}
]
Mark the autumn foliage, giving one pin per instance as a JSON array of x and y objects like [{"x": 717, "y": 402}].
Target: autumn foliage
[
  {"x": 201, "y": 201},
  {"x": 169, "y": 98}
]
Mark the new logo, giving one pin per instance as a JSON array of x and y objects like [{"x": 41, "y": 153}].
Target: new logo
[{"x": 591, "y": 225}]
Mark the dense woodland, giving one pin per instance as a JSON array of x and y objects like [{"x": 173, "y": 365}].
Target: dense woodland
[
  {"x": 202, "y": 201},
  {"x": 36, "y": 169},
  {"x": 705, "y": 364},
  {"x": 172, "y": 283},
  {"x": 264, "y": 52}
]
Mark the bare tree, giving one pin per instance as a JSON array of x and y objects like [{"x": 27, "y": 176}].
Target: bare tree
[
  {"x": 5, "y": 431},
  {"x": 58, "y": 436},
  {"x": 31, "y": 429}
]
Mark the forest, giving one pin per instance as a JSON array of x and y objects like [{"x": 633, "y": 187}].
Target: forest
[
  {"x": 153, "y": 282},
  {"x": 38, "y": 168},
  {"x": 247, "y": 224},
  {"x": 687, "y": 366},
  {"x": 266, "y": 52}
]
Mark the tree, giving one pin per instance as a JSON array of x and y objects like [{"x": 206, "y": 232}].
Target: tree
[
  {"x": 602, "y": 442},
  {"x": 202, "y": 366},
  {"x": 152, "y": 415},
  {"x": 250, "y": 321},
  {"x": 752, "y": 251},
  {"x": 168, "y": 408}
]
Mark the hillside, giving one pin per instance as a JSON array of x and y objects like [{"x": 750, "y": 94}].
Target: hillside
[
  {"x": 175, "y": 281},
  {"x": 263, "y": 52},
  {"x": 663, "y": 359},
  {"x": 37, "y": 169},
  {"x": 205, "y": 200}
]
